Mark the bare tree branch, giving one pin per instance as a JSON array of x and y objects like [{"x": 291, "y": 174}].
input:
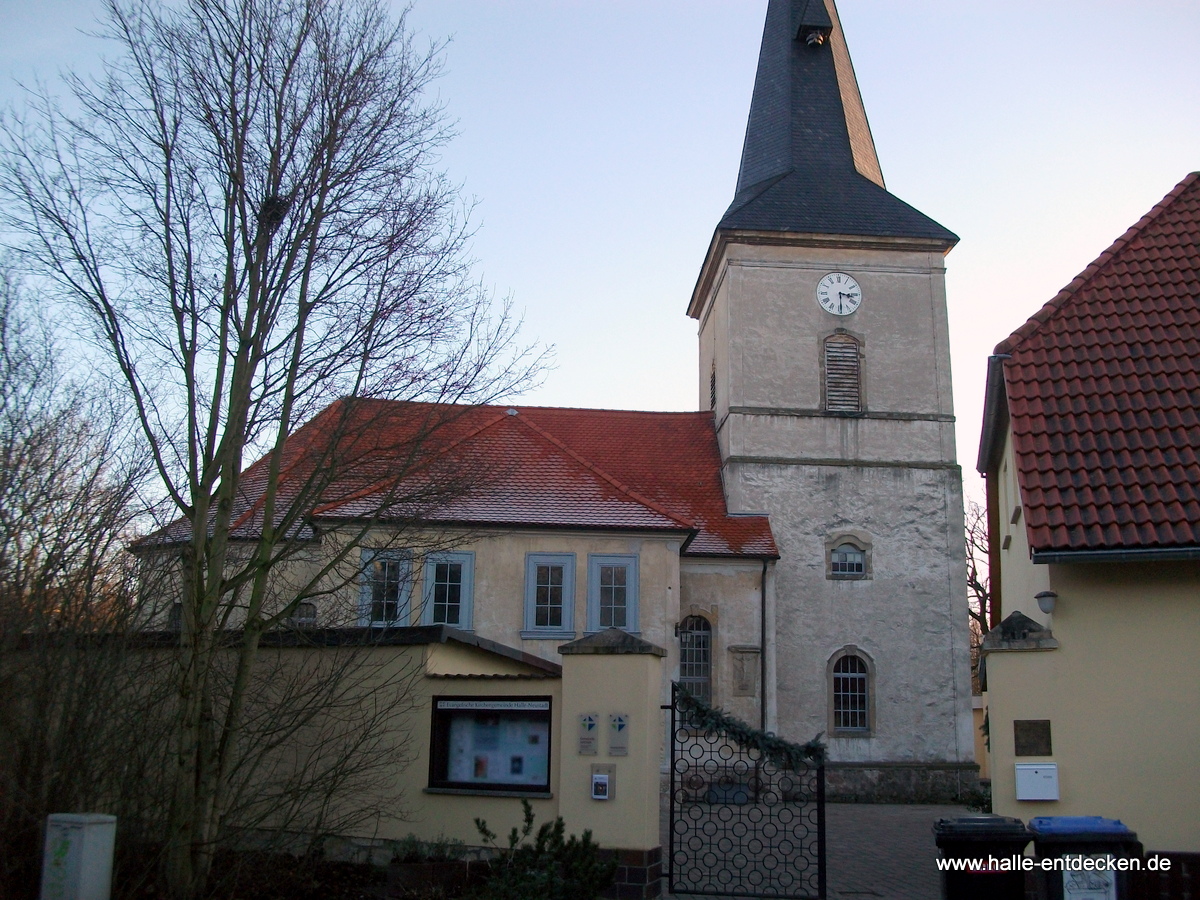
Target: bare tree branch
[
  {"x": 248, "y": 217},
  {"x": 979, "y": 593}
]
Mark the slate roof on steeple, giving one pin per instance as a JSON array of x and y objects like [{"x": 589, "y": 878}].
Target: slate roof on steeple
[{"x": 808, "y": 161}]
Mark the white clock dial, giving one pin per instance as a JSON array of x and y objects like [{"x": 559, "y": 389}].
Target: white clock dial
[{"x": 839, "y": 294}]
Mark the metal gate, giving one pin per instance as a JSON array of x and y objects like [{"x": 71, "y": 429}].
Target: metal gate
[{"x": 747, "y": 816}]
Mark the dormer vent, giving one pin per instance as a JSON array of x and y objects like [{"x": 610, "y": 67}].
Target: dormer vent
[{"x": 815, "y": 25}]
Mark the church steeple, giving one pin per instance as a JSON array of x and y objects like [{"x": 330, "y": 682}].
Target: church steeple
[
  {"x": 808, "y": 161},
  {"x": 824, "y": 354}
]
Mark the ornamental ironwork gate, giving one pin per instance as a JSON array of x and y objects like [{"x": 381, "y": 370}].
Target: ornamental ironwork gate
[{"x": 747, "y": 810}]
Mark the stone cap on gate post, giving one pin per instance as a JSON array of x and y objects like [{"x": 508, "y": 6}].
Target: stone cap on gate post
[{"x": 611, "y": 640}]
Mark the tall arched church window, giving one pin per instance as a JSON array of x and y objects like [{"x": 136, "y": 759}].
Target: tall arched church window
[
  {"x": 843, "y": 374},
  {"x": 695, "y": 657},
  {"x": 851, "y": 695}
]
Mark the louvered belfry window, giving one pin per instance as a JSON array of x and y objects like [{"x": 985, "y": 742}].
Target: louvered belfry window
[{"x": 843, "y": 374}]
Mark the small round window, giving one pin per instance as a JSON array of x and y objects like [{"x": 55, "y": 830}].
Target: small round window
[{"x": 848, "y": 561}]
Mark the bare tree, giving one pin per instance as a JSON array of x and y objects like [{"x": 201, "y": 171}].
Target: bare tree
[
  {"x": 247, "y": 216},
  {"x": 68, "y": 501},
  {"x": 979, "y": 592}
]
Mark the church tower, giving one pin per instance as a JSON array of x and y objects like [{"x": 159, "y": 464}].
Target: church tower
[{"x": 824, "y": 354}]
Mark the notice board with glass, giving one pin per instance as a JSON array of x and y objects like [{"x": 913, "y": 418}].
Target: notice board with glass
[{"x": 491, "y": 744}]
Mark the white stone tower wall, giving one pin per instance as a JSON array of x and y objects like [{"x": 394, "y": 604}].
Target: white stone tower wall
[
  {"x": 907, "y": 617},
  {"x": 888, "y": 474}
]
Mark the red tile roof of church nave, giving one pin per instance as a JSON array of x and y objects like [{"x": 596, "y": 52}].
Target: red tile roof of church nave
[
  {"x": 534, "y": 467},
  {"x": 1103, "y": 393}
]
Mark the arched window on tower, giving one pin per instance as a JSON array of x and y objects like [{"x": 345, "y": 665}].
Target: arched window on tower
[
  {"x": 847, "y": 561},
  {"x": 848, "y": 556},
  {"x": 851, "y": 689},
  {"x": 695, "y": 657},
  {"x": 843, "y": 374}
]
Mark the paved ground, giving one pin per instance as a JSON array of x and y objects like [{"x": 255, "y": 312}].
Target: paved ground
[{"x": 879, "y": 851}]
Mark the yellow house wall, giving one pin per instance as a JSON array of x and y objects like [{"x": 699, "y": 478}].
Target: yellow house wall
[
  {"x": 429, "y": 815},
  {"x": 639, "y": 683},
  {"x": 1020, "y": 580},
  {"x": 606, "y": 684},
  {"x": 599, "y": 684},
  {"x": 457, "y": 659},
  {"x": 498, "y": 578},
  {"x": 1122, "y": 694},
  {"x": 499, "y": 581}
]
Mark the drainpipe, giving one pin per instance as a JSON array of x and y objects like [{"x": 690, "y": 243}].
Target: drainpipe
[{"x": 762, "y": 649}]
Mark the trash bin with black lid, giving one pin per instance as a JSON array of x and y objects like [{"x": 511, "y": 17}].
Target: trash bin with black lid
[
  {"x": 1086, "y": 844},
  {"x": 989, "y": 843}
]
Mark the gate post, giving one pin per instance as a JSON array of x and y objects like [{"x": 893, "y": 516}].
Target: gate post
[{"x": 612, "y": 725}]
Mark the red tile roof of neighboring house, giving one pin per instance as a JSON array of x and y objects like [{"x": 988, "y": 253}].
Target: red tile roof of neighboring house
[
  {"x": 1103, "y": 393},
  {"x": 510, "y": 467}
]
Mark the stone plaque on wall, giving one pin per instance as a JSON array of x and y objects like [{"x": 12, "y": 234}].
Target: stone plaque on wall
[
  {"x": 1031, "y": 737},
  {"x": 745, "y": 671}
]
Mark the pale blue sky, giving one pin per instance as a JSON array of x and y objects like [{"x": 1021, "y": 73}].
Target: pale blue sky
[{"x": 602, "y": 139}]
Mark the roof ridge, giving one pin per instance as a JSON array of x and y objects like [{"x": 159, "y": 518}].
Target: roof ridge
[
  {"x": 1049, "y": 309},
  {"x": 595, "y": 469}
]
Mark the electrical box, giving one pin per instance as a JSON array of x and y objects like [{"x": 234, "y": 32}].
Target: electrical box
[
  {"x": 78, "y": 859},
  {"x": 1037, "y": 781},
  {"x": 604, "y": 781}
]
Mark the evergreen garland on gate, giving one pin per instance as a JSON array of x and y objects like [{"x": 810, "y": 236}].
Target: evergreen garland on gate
[{"x": 784, "y": 754}]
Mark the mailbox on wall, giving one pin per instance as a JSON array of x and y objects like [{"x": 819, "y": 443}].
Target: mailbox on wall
[{"x": 1037, "y": 781}]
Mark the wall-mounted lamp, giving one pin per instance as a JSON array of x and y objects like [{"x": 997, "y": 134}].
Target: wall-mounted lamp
[{"x": 1046, "y": 601}]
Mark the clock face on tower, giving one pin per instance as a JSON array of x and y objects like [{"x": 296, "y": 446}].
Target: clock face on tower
[{"x": 839, "y": 294}]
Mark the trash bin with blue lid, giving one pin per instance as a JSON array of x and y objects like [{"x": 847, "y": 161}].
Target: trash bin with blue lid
[
  {"x": 1087, "y": 845},
  {"x": 989, "y": 844}
]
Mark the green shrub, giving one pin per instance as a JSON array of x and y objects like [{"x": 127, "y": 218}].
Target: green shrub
[
  {"x": 552, "y": 867},
  {"x": 978, "y": 798},
  {"x": 441, "y": 849}
]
